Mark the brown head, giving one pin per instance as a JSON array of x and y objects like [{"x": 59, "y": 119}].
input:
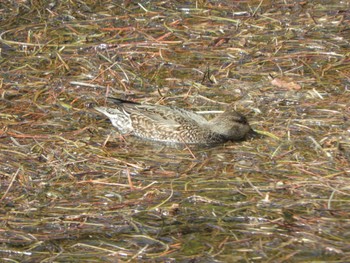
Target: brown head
[{"x": 231, "y": 124}]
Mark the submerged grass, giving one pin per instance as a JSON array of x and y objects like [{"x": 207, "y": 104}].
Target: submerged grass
[{"x": 73, "y": 190}]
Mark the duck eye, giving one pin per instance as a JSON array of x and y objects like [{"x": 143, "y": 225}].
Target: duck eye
[{"x": 242, "y": 120}]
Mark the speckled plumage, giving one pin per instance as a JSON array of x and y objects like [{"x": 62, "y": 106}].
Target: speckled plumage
[{"x": 175, "y": 125}]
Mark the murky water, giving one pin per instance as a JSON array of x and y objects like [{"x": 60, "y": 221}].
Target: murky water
[{"x": 73, "y": 190}]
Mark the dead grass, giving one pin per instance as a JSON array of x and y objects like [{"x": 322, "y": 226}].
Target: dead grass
[{"x": 73, "y": 190}]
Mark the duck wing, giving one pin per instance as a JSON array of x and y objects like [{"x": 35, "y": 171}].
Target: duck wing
[{"x": 171, "y": 117}]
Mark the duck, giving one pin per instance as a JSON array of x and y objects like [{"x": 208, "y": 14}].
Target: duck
[{"x": 170, "y": 124}]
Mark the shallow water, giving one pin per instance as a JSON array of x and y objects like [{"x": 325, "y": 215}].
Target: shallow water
[{"x": 73, "y": 190}]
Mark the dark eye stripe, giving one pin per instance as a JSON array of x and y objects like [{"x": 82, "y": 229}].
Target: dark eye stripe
[{"x": 242, "y": 120}]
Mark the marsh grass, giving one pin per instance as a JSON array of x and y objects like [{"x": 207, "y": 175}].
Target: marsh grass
[{"x": 73, "y": 190}]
